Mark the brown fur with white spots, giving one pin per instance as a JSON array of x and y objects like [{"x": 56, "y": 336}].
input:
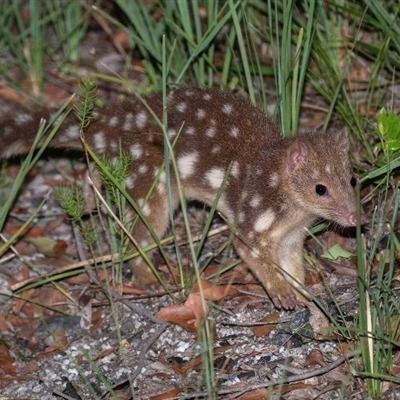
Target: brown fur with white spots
[{"x": 276, "y": 188}]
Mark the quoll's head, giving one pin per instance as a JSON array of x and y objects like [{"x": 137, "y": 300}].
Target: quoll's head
[{"x": 321, "y": 178}]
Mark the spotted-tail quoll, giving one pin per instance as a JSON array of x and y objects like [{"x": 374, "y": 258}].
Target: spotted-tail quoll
[{"x": 273, "y": 187}]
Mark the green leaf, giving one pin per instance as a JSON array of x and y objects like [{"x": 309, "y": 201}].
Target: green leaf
[{"x": 336, "y": 252}]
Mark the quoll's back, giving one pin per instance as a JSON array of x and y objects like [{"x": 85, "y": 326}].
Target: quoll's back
[{"x": 274, "y": 187}]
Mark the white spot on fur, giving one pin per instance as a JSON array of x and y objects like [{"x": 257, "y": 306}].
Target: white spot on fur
[
  {"x": 160, "y": 188},
  {"x": 22, "y": 119},
  {"x": 141, "y": 119},
  {"x": 129, "y": 182},
  {"x": 235, "y": 169},
  {"x": 255, "y": 253},
  {"x": 190, "y": 130},
  {"x": 216, "y": 149},
  {"x": 146, "y": 210},
  {"x": 72, "y": 132},
  {"x": 259, "y": 171},
  {"x": 227, "y": 108},
  {"x": 114, "y": 145},
  {"x": 210, "y": 132},
  {"x": 223, "y": 206},
  {"x": 264, "y": 221},
  {"x": 143, "y": 169},
  {"x": 327, "y": 168},
  {"x": 14, "y": 148},
  {"x": 181, "y": 107},
  {"x": 207, "y": 96},
  {"x": 162, "y": 177},
  {"x": 186, "y": 164},
  {"x": 255, "y": 201},
  {"x": 200, "y": 113},
  {"x": 242, "y": 217},
  {"x": 241, "y": 252},
  {"x": 136, "y": 150},
  {"x": 128, "y": 123},
  {"x": 171, "y": 133},
  {"x": 189, "y": 93},
  {"x": 215, "y": 177},
  {"x": 113, "y": 121},
  {"x": 99, "y": 140},
  {"x": 234, "y": 131},
  {"x": 274, "y": 180}
]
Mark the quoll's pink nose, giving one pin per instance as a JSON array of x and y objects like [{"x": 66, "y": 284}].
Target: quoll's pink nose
[{"x": 352, "y": 220}]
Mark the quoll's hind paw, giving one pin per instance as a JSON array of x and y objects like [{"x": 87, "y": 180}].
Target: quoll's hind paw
[{"x": 142, "y": 273}]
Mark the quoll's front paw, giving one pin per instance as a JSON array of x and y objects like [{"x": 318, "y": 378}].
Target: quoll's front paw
[{"x": 287, "y": 298}]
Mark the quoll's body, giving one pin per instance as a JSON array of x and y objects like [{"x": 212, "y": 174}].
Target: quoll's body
[{"x": 274, "y": 190}]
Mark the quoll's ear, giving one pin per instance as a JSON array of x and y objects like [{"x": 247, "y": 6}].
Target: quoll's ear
[{"x": 298, "y": 154}]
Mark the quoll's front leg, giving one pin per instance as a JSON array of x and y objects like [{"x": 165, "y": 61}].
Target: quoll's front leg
[{"x": 269, "y": 266}]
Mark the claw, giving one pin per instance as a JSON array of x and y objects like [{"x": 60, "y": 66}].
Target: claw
[{"x": 289, "y": 301}]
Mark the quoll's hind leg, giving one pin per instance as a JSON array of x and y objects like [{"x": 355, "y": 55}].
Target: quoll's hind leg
[{"x": 156, "y": 212}]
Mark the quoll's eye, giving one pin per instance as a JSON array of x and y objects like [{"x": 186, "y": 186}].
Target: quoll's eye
[
  {"x": 353, "y": 181},
  {"x": 321, "y": 190}
]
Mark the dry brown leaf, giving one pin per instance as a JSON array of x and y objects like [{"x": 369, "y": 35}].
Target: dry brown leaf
[
  {"x": 312, "y": 278},
  {"x": 53, "y": 224},
  {"x": 314, "y": 358},
  {"x": 190, "y": 314},
  {"x": 48, "y": 246},
  {"x": 6, "y": 360},
  {"x": 167, "y": 395},
  {"x": 22, "y": 302},
  {"x": 104, "y": 353},
  {"x": 337, "y": 375},
  {"x": 20, "y": 276},
  {"x": 210, "y": 291},
  {"x": 60, "y": 341},
  {"x": 180, "y": 315},
  {"x": 318, "y": 321},
  {"x": 257, "y": 394},
  {"x": 271, "y": 321},
  {"x": 50, "y": 296},
  {"x": 195, "y": 363},
  {"x": 97, "y": 319}
]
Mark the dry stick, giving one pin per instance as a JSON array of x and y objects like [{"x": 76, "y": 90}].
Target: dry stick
[
  {"x": 290, "y": 379},
  {"x": 63, "y": 395}
]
